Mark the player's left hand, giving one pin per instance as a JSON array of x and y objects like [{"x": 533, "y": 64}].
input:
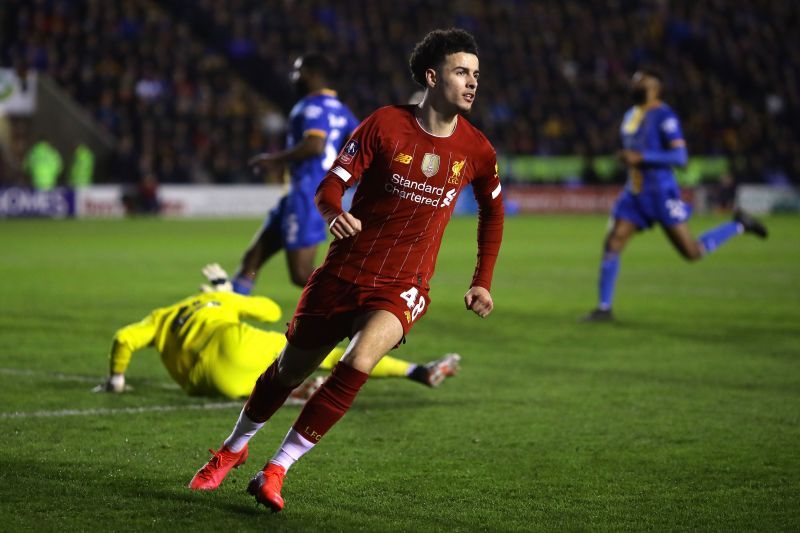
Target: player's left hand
[
  {"x": 479, "y": 301},
  {"x": 630, "y": 157},
  {"x": 218, "y": 279}
]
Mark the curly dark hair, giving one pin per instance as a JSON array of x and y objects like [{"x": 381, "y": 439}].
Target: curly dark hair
[
  {"x": 317, "y": 63},
  {"x": 434, "y": 47}
]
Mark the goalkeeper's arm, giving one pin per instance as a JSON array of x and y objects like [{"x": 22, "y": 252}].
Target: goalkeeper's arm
[{"x": 126, "y": 341}]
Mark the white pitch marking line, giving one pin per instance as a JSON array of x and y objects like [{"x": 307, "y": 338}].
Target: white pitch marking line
[
  {"x": 76, "y": 377},
  {"x": 122, "y": 410}
]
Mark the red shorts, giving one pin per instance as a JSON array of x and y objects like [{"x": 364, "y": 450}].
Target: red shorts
[{"x": 329, "y": 306}]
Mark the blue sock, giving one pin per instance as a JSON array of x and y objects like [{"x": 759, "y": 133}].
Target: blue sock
[
  {"x": 609, "y": 268},
  {"x": 242, "y": 285},
  {"x": 715, "y": 237}
]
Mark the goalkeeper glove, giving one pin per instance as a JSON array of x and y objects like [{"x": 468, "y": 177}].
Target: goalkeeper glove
[
  {"x": 114, "y": 383},
  {"x": 218, "y": 279}
]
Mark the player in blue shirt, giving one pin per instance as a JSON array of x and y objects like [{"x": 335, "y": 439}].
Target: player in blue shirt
[
  {"x": 319, "y": 124},
  {"x": 652, "y": 145}
]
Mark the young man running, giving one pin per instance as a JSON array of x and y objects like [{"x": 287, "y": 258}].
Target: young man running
[
  {"x": 652, "y": 145},
  {"x": 410, "y": 163}
]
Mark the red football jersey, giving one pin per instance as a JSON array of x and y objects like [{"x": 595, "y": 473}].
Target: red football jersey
[{"x": 408, "y": 184}]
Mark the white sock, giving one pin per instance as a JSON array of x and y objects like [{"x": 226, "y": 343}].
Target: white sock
[
  {"x": 292, "y": 448},
  {"x": 243, "y": 431}
]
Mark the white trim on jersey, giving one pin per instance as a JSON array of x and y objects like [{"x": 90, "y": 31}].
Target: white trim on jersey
[
  {"x": 496, "y": 192},
  {"x": 342, "y": 173}
]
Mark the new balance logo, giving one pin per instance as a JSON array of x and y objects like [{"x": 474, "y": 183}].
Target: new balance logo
[{"x": 403, "y": 158}]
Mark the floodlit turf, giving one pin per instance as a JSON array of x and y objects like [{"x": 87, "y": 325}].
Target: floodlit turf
[{"x": 684, "y": 415}]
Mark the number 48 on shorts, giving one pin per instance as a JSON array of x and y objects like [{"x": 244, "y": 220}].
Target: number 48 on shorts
[{"x": 415, "y": 301}]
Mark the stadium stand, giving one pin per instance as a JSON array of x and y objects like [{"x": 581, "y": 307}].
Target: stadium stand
[
  {"x": 555, "y": 72},
  {"x": 175, "y": 107}
]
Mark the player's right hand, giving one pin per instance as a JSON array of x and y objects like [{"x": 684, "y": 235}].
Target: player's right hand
[
  {"x": 261, "y": 161},
  {"x": 114, "y": 383},
  {"x": 345, "y": 225},
  {"x": 629, "y": 158}
]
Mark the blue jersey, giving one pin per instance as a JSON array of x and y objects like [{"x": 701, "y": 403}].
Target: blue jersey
[
  {"x": 654, "y": 129},
  {"x": 319, "y": 114},
  {"x": 296, "y": 219},
  {"x": 652, "y": 194}
]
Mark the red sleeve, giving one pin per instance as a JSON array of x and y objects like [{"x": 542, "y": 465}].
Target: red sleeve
[
  {"x": 348, "y": 168},
  {"x": 329, "y": 198},
  {"x": 487, "y": 190}
]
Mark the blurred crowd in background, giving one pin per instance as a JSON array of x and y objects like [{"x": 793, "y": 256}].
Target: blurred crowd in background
[{"x": 190, "y": 89}]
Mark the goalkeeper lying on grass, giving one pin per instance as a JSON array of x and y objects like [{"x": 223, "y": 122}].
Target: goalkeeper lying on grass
[{"x": 209, "y": 351}]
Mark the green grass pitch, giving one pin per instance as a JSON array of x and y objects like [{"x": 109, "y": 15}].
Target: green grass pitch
[{"x": 684, "y": 415}]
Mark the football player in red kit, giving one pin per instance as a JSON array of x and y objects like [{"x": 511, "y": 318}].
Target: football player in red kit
[{"x": 410, "y": 163}]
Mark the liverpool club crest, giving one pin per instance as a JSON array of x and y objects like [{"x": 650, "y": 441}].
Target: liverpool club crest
[{"x": 455, "y": 175}]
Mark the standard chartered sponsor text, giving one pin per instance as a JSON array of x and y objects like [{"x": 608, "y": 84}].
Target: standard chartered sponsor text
[{"x": 407, "y": 189}]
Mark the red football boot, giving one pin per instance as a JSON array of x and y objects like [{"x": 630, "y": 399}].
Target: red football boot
[
  {"x": 266, "y": 486},
  {"x": 214, "y": 471}
]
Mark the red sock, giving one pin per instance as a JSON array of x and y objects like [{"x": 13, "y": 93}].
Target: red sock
[
  {"x": 267, "y": 396},
  {"x": 330, "y": 402}
]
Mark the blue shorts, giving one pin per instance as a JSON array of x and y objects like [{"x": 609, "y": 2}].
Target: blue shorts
[
  {"x": 646, "y": 208},
  {"x": 297, "y": 220}
]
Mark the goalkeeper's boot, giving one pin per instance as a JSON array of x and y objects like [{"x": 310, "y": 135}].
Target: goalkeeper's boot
[
  {"x": 599, "y": 315},
  {"x": 266, "y": 486},
  {"x": 214, "y": 471},
  {"x": 750, "y": 223},
  {"x": 434, "y": 373}
]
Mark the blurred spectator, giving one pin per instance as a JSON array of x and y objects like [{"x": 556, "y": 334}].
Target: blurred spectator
[
  {"x": 145, "y": 79},
  {"x": 43, "y": 164},
  {"x": 142, "y": 198},
  {"x": 588, "y": 173},
  {"x": 554, "y": 77},
  {"x": 82, "y": 169},
  {"x": 6, "y": 164},
  {"x": 555, "y": 70},
  {"x": 722, "y": 194}
]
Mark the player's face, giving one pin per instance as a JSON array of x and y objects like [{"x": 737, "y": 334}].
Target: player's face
[
  {"x": 643, "y": 88},
  {"x": 458, "y": 83}
]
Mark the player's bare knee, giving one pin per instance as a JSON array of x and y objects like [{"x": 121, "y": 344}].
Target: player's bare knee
[
  {"x": 296, "y": 364},
  {"x": 615, "y": 243},
  {"x": 361, "y": 360}
]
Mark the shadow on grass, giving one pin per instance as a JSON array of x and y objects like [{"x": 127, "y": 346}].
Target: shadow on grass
[
  {"x": 99, "y": 496},
  {"x": 86, "y": 495},
  {"x": 704, "y": 330}
]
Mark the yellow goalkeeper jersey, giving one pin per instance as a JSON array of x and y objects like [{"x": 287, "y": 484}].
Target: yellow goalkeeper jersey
[{"x": 197, "y": 336}]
